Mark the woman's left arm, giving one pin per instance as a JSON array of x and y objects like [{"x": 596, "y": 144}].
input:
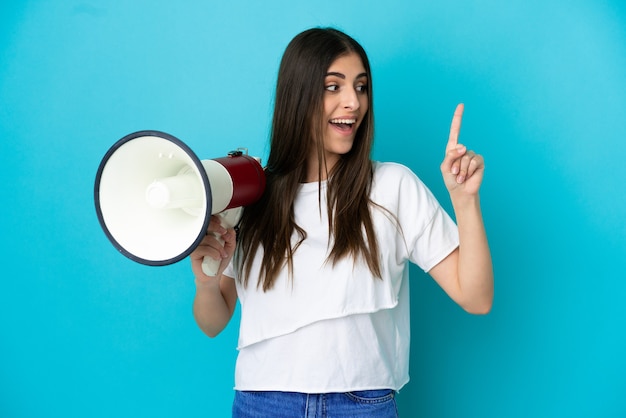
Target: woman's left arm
[{"x": 466, "y": 275}]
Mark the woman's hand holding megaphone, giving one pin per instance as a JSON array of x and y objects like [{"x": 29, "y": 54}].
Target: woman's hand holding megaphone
[
  {"x": 216, "y": 297},
  {"x": 219, "y": 245}
]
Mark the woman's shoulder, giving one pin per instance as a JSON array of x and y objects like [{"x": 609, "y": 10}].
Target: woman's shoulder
[
  {"x": 396, "y": 187},
  {"x": 392, "y": 178},
  {"x": 392, "y": 171}
]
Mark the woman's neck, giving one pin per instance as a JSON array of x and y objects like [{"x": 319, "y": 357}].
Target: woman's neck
[{"x": 314, "y": 173}]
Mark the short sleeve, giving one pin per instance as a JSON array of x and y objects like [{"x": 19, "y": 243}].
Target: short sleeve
[{"x": 427, "y": 232}]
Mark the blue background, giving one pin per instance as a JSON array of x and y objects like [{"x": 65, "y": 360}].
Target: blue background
[{"x": 86, "y": 332}]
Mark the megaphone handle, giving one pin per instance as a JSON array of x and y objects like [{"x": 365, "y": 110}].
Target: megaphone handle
[
  {"x": 211, "y": 265},
  {"x": 228, "y": 219}
]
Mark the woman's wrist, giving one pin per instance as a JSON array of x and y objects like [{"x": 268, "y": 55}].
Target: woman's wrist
[
  {"x": 465, "y": 202},
  {"x": 210, "y": 284}
]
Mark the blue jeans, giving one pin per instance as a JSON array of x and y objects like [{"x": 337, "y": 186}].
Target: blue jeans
[{"x": 365, "y": 403}]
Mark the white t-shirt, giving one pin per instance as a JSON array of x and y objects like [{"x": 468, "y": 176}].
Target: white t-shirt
[{"x": 338, "y": 328}]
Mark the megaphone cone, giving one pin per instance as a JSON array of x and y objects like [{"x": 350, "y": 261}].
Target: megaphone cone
[{"x": 154, "y": 197}]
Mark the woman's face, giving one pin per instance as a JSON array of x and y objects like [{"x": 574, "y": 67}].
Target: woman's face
[{"x": 345, "y": 105}]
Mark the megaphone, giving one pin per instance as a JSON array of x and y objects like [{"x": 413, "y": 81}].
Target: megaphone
[{"x": 154, "y": 197}]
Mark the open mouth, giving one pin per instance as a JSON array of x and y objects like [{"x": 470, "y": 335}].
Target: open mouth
[{"x": 343, "y": 124}]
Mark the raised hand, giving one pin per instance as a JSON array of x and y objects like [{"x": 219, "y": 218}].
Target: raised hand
[{"x": 462, "y": 170}]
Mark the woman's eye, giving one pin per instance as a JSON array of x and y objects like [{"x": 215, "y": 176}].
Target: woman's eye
[
  {"x": 362, "y": 88},
  {"x": 332, "y": 87}
]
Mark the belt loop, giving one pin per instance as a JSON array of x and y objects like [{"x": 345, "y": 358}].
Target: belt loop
[{"x": 312, "y": 406}]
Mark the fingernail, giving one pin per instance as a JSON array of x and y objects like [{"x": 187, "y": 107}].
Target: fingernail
[
  {"x": 460, "y": 148},
  {"x": 455, "y": 170},
  {"x": 460, "y": 179}
]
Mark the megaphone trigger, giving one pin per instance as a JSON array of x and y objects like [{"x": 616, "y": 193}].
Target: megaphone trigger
[{"x": 228, "y": 219}]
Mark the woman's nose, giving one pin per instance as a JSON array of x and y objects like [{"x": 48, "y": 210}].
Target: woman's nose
[{"x": 350, "y": 99}]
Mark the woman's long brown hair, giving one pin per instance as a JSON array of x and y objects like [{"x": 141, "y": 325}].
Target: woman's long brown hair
[{"x": 269, "y": 224}]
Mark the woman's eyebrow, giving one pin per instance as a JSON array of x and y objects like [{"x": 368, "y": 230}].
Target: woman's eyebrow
[{"x": 340, "y": 75}]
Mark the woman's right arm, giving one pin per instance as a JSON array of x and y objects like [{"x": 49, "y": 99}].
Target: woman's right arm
[
  {"x": 214, "y": 304},
  {"x": 216, "y": 297}
]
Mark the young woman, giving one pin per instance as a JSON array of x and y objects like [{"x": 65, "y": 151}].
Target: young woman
[{"x": 320, "y": 263}]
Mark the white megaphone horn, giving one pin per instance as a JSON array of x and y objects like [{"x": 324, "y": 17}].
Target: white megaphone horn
[{"x": 154, "y": 197}]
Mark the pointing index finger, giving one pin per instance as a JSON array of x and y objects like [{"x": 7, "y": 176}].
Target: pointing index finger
[{"x": 455, "y": 127}]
